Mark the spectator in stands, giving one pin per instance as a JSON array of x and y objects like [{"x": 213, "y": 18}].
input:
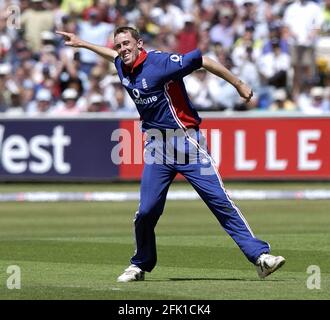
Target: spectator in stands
[
  {"x": 275, "y": 32},
  {"x": 250, "y": 13},
  {"x": 148, "y": 30},
  {"x": 226, "y": 96},
  {"x": 47, "y": 64},
  {"x": 274, "y": 65},
  {"x": 323, "y": 46},
  {"x": 55, "y": 7},
  {"x": 327, "y": 98},
  {"x": 5, "y": 40},
  {"x": 68, "y": 23},
  {"x": 96, "y": 31},
  {"x": 68, "y": 106},
  {"x": 248, "y": 72},
  {"x": 27, "y": 89},
  {"x": 42, "y": 104},
  {"x": 34, "y": 20},
  {"x": 5, "y": 93},
  {"x": 122, "y": 101},
  {"x": 325, "y": 25},
  {"x": 238, "y": 26},
  {"x": 46, "y": 72},
  {"x": 15, "y": 105},
  {"x": 281, "y": 102},
  {"x": 273, "y": 68},
  {"x": 127, "y": 11},
  {"x": 100, "y": 6},
  {"x": 168, "y": 15},
  {"x": 22, "y": 79},
  {"x": 224, "y": 31},
  {"x": 246, "y": 46},
  {"x": 75, "y": 7},
  {"x": 313, "y": 103},
  {"x": 47, "y": 38},
  {"x": 23, "y": 5},
  {"x": 203, "y": 90},
  {"x": 302, "y": 19},
  {"x": 204, "y": 41},
  {"x": 245, "y": 53},
  {"x": 96, "y": 103},
  {"x": 20, "y": 54},
  {"x": 115, "y": 95},
  {"x": 95, "y": 80},
  {"x": 187, "y": 38},
  {"x": 71, "y": 72}
]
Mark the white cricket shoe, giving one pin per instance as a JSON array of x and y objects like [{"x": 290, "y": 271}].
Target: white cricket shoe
[
  {"x": 132, "y": 273},
  {"x": 267, "y": 264}
]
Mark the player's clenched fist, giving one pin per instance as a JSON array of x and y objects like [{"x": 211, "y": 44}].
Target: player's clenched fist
[{"x": 244, "y": 91}]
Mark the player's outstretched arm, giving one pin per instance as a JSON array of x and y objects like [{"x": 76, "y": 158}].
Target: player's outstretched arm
[
  {"x": 221, "y": 71},
  {"x": 74, "y": 41}
]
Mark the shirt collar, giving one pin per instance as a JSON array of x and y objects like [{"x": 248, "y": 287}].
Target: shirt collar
[{"x": 139, "y": 60}]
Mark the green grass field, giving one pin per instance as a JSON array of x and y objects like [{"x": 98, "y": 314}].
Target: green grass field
[{"x": 77, "y": 250}]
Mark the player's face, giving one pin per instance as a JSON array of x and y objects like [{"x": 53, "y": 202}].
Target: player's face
[{"x": 127, "y": 47}]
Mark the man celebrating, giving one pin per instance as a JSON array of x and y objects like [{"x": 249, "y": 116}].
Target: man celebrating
[{"x": 154, "y": 81}]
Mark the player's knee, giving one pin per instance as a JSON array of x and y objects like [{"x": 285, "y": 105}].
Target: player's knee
[{"x": 147, "y": 212}]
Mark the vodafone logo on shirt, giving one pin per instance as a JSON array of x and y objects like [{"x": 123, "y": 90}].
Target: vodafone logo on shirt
[
  {"x": 139, "y": 100},
  {"x": 136, "y": 93}
]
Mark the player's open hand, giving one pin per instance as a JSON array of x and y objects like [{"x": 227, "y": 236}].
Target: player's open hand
[
  {"x": 244, "y": 91},
  {"x": 70, "y": 39}
]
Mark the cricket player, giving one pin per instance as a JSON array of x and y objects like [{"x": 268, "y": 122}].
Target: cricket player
[{"x": 154, "y": 80}]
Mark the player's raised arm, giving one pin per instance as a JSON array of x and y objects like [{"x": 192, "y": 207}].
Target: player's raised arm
[
  {"x": 74, "y": 41},
  {"x": 221, "y": 71}
]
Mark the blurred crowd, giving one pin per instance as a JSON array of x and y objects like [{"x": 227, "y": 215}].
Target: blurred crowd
[{"x": 280, "y": 48}]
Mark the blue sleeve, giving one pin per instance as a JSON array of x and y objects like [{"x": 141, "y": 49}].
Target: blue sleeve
[
  {"x": 176, "y": 66},
  {"x": 118, "y": 63}
]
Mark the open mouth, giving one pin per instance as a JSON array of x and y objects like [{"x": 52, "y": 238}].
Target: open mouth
[{"x": 126, "y": 56}]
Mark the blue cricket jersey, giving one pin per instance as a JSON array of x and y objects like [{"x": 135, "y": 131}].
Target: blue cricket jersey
[{"x": 155, "y": 84}]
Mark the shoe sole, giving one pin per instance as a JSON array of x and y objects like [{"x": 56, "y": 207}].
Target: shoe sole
[{"x": 130, "y": 280}]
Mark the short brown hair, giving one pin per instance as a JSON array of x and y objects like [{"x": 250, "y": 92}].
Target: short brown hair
[{"x": 134, "y": 33}]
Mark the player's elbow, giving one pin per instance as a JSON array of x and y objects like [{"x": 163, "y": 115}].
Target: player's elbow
[
  {"x": 205, "y": 61},
  {"x": 208, "y": 63}
]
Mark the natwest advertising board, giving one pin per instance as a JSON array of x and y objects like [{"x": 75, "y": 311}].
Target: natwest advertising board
[
  {"x": 51, "y": 149},
  {"x": 256, "y": 148}
]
